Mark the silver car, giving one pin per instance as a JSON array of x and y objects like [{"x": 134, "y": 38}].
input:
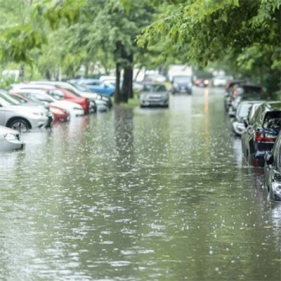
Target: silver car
[
  {"x": 20, "y": 117},
  {"x": 10, "y": 139},
  {"x": 154, "y": 95}
]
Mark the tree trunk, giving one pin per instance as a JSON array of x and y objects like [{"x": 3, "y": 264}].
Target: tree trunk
[
  {"x": 127, "y": 85},
  {"x": 117, "y": 94}
]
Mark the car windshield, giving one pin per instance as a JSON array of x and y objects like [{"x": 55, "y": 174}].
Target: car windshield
[
  {"x": 154, "y": 88},
  {"x": 79, "y": 87},
  {"x": 7, "y": 100},
  {"x": 58, "y": 95},
  {"x": 182, "y": 79}
]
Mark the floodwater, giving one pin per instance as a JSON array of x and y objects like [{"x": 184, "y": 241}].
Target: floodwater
[{"x": 138, "y": 194}]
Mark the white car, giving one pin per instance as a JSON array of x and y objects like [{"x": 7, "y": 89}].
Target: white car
[
  {"x": 10, "y": 139},
  {"x": 103, "y": 103},
  {"x": 22, "y": 117},
  {"x": 154, "y": 95},
  {"x": 221, "y": 81},
  {"x": 42, "y": 97}
]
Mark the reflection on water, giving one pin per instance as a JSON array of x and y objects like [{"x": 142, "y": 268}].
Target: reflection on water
[{"x": 137, "y": 194}]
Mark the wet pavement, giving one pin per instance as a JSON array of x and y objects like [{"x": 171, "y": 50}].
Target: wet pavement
[{"x": 138, "y": 194}]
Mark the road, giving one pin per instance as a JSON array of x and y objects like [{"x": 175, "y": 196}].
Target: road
[{"x": 138, "y": 194}]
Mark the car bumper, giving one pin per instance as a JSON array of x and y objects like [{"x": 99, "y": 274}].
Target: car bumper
[
  {"x": 10, "y": 145},
  {"x": 154, "y": 103},
  {"x": 39, "y": 122}
]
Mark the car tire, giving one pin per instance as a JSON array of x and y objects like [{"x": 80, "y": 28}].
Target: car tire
[{"x": 19, "y": 124}]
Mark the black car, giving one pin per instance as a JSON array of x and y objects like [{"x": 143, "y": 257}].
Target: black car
[
  {"x": 261, "y": 132},
  {"x": 272, "y": 171},
  {"x": 182, "y": 84}
]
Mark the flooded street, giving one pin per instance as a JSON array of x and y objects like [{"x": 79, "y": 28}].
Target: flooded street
[{"x": 138, "y": 194}]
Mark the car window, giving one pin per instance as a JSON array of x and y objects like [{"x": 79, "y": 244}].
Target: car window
[
  {"x": 243, "y": 110},
  {"x": 272, "y": 120},
  {"x": 58, "y": 95}
]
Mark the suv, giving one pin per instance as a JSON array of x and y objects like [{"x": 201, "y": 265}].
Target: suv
[
  {"x": 182, "y": 84},
  {"x": 261, "y": 132}
]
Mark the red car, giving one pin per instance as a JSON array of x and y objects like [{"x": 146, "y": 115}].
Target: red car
[
  {"x": 67, "y": 95},
  {"x": 59, "y": 114}
]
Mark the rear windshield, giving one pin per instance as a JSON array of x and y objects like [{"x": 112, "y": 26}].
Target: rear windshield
[{"x": 272, "y": 120}]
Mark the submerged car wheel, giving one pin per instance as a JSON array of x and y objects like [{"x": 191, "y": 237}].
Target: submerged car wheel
[{"x": 19, "y": 124}]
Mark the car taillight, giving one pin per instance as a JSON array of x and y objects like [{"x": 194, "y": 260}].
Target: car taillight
[{"x": 265, "y": 137}]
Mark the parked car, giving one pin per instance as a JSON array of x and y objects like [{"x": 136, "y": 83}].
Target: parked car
[
  {"x": 43, "y": 97},
  {"x": 182, "y": 84},
  {"x": 20, "y": 117},
  {"x": 240, "y": 115},
  {"x": 200, "y": 81},
  {"x": 261, "y": 132},
  {"x": 272, "y": 171},
  {"x": 103, "y": 103},
  {"x": 97, "y": 86},
  {"x": 154, "y": 95},
  {"x": 59, "y": 113},
  {"x": 60, "y": 94},
  {"x": 220, "y": 80},
  {"x": 242, "y": 92},
  {"x": 156, "y": 78},
  {"x": 10, "y": 139}
]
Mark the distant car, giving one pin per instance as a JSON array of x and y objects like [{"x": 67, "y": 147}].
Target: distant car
[
  {"x": 242, "y": 92},
  {"x": 97, "y": 86},
  {"x": 272, "y": 171},
  {"x": 20, "y": 117},
  {"x": 154, "y": 95},
  {"x": 240, "y": 115},
  {"x": 154, "y": 78},
  {"x": 201, "y": 82},
  {"x": 10, "y": 139},
  {"x": 261, "y": 132},
  {"x": 220, "y": 81},
  {"x": 182, "y": 84},
  {"x": 103, "y": 103}
]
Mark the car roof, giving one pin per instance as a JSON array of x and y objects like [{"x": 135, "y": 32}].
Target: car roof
[{"x": 248, "y": 86}]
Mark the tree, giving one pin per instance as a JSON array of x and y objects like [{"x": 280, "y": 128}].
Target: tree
[{"x": 213, "y": 28}]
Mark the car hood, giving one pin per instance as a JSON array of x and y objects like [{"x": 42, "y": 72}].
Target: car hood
[
  {"x": 24, "y": 108},
  {"x": 67, "y": 104}
]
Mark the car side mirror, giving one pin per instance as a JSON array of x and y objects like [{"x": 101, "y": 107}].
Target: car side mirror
[
  {"x": 268, "y": 157},
  {"x": 246, "y": 124}
]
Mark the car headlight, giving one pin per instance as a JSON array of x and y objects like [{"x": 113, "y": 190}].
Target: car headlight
[{"x": 10, "y": 137}]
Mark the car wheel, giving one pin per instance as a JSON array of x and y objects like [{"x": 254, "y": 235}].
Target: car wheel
[{"x": 19, "y": 124}]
